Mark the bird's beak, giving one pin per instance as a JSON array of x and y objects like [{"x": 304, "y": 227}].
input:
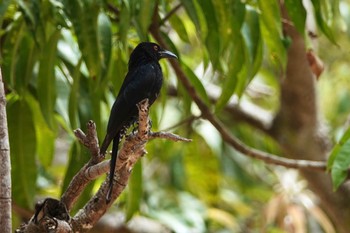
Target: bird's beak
[{"x": 166, "y": 54}]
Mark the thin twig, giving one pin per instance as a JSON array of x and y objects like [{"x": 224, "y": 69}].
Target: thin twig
[
  {"x": 170, "y": 13},
  {"x": 187, "y": 120},
  {"x": 169, "y": 136}
]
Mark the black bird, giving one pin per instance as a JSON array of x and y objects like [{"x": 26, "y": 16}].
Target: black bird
[{"x": 143, "y": 80}]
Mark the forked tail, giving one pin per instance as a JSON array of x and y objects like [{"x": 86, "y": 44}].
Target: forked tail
[{"x": 112, "y": 166}]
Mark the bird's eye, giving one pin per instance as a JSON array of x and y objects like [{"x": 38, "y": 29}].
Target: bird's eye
[{"x": 155, "y": 48}]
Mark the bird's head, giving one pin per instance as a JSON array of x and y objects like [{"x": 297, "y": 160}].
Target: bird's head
[{"x": 154, "y": 51}]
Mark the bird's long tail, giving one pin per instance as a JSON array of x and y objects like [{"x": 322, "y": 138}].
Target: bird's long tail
[{"x": 112, "y": 166}]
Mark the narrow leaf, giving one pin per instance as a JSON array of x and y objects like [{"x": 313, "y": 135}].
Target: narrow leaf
[
  {"x": 213, "y": 40},
  {"x": 144, "y": 17},
  {"x": 105, "y": 40},
  {"x": 84, "y": 15},
  {"x": 297, "y": 13},
  {"x": 45, "y": 136},
  {"x": 178, "y": 25},
  {"x": 271, "y": 27},
  {"x": 192, "y": 12},
  {"x": 230, "y": 83},
  {"x": 23, "y": 147},
  {"x": 321, "y": 21},
  {"x": 337, "y": 147},
  {"x": 341, "y": 164},
  {"x": 134, "y": 194},
  {"x": 3, "y": 8},
  {"x": 73, "y": 98},
  {"x": 46, "y": 79},
  {"x": 196, "y": 83},
  {"x": 252, "y": 50}
]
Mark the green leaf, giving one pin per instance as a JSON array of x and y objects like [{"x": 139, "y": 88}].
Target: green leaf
[
  {"x": 321, "y": 21},
  {"x": 252, "y": 50},
  {"x": 337, "y": 147},
  {"x": 22, "y": 147},
  {"x": 341, "y": 164},
  {"x": 237, "y": 11},
  {"x": 271, "y": 27},
  {"x": 134, "y": 194},
  {"x": 171, "y": 44},
  {"x": 230, "y": 83},
  {"x": 192, "y": 12},
  {"x": 3, "y": 8},
  {"x": 84, "y": 15},
  {"x": 178, "y": 25},
  {"x": 124, "y": 25},
  {"x": 73, "y": 98},
  {"x": 197, "y": 84},
  {"x": 105, "y": 40},
  {"x": 145, "y": 10},
  {"x": 45, "y": 136},
  {"x": 297, "y": 13},
  {"x": 32, "y": 12},
  {"x": 46, "y": 79},
  {"x": 213, "y": 40},
  {"x": 23, "y": 59}
]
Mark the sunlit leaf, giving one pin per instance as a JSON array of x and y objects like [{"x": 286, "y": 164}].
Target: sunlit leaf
[
  {"x": 341, "y": 164},
  {"x": 196, "y": 83},
  {"x": 230, "y": 82},
  {"x": 271, "y": 27},
  {"x": 339, "y": 160},
  {"x": 192, "y": 12},
  {"x": 322, "y": 21},
  {"x": 253, "y": 53},
  {"x": 45, "y": 136},
  {"x": 179, "y": 27},
  {"x": 337, "y": 147}
]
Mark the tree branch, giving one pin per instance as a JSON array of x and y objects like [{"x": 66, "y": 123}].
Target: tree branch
[
  {"x": 241, "y": 111},
  {"x": 131, "y": 151},
  {"x": 225, "y": 134},
  {"x": 170, "y": 13}
]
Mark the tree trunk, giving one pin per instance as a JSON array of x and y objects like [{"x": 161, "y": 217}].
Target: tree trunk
[
  {"x": 298, "y": 129},
  {"x": 5, "y": 165}
]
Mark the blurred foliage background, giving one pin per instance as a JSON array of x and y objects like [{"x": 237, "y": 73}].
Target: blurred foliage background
[{"x": 63, "y": 63}]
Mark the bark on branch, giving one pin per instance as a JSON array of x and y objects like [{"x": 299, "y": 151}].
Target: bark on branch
[{"x": 131, "y": 151}]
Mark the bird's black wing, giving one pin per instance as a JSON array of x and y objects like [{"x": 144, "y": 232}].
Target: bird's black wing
[{"x": 143, "y": 82}]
